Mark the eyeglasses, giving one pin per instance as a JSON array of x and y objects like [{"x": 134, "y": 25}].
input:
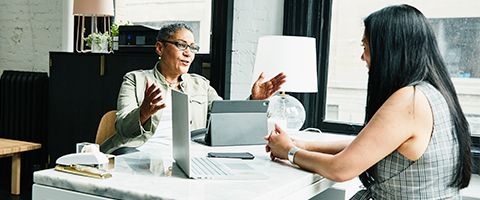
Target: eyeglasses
[{"x": 183, "y": 46}]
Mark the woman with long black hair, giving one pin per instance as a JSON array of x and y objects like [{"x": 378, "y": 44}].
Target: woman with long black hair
[{"x": 416, "y": 140}]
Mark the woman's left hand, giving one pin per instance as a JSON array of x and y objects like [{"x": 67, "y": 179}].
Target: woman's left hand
[
  {"x": 278, "y": 143},
  {"x": 263, "y": 90}
]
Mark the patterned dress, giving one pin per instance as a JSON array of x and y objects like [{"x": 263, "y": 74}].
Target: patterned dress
[{"x": 428, "y": 177}]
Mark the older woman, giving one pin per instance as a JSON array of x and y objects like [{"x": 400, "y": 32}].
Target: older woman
[
  {"x": 416, "y": 141},
  {"x": 144, "y": 104}
]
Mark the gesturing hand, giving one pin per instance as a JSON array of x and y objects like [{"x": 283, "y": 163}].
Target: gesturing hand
[
  {"x": 151, "y": 102},
  {"x": 262, "y": 90}
]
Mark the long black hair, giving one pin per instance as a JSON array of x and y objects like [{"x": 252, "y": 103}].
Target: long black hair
[{"x": 403, "y": 52}]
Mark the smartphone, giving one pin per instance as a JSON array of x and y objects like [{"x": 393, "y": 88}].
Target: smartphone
[{"x": 241, "y": 155}]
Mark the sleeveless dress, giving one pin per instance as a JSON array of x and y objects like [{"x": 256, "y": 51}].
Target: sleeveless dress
[{"x": 428, "y": 177}]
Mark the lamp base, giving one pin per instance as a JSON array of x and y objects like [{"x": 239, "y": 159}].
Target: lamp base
[{"x": 286, "y": 111}]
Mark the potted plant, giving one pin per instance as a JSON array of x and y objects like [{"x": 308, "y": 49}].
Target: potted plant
[
  {"x": 115, "y": 33},
  {"x": 99, "y": 42}
]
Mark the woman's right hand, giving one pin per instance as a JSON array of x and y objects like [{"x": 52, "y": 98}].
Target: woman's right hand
[{"x": 152, "y": 102}]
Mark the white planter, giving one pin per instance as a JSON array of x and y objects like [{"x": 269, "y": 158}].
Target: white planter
[
  {"x": 100, "y": 47},
  {"x": 115, "y": 43}
]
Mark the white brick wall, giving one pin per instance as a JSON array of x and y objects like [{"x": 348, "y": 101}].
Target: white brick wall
[
  {"x": 29, "y": 29},
  {"x": 252, "y": 19}
]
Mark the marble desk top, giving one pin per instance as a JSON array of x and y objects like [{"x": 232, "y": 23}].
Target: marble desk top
[{"x": 143, "y": 176}]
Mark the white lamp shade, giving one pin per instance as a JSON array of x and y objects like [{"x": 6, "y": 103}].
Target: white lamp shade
[
  {"x": 294, "y": 56},
  {"x": 93, "y": 7}
]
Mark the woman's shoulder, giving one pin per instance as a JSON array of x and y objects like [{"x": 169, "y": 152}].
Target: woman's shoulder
[
  {"x": 140, "y": 72},
  {"x": 409, "y": 94},
  {"x": 139, "y": 75},
  {"x": 196, "y": 78},
  {"x": 408, "y": 101},
  {"x": 403, "y": 94}
]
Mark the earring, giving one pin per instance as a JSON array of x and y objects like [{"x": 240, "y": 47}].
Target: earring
[{"x": 159, "y": 57}]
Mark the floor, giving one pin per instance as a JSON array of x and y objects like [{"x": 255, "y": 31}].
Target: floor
[{"x": 472, "y": 192}]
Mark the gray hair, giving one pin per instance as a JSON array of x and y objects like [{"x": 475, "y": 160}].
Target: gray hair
[{"x": 169, "y": 30}]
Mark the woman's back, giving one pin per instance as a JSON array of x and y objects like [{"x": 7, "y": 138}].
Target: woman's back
[{"x": 429, "y": 176}]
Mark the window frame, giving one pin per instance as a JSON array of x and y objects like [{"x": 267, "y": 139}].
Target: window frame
[
  {"x": 323, "y": 66},
  {"x": 312, "y": 18},
  {"x": 300, "y": 17}
]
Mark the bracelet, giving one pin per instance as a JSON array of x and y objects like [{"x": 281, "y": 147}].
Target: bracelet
[{"x": 291, "y": 153}]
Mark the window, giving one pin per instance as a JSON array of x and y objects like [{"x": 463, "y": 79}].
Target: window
[
  {"x": 457, "y": 26},
  {"x": 195, "y": 13}
]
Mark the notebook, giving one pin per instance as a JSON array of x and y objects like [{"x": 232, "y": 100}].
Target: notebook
[{"x": 202, "y": 167}]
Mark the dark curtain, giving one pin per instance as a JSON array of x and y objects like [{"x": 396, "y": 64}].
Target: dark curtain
[
  {"x": 311, "y": 18},
  {"x": 221, "y": 46}
]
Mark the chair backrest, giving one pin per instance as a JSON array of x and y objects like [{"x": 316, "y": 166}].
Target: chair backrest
[{"x": 106, "y": 128}]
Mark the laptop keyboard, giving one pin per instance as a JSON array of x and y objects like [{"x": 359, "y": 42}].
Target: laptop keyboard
[{"x": 208, "y": 167}]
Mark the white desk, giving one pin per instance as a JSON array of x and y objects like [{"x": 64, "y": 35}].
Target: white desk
[{"x": 134, "y": 178}]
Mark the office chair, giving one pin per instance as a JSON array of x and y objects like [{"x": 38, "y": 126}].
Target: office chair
[{"x": 106, "y": 128}]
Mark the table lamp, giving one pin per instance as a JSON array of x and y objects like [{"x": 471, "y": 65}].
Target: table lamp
[
  {"x": 94, "y": 9},
  {"x": 296, "y": 57}
]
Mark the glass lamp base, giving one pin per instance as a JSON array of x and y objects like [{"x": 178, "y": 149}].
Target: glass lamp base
[{"x": 286, "y": 111}]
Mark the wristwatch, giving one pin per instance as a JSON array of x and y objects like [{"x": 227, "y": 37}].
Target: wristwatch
[{"x": 291, "y": 153}]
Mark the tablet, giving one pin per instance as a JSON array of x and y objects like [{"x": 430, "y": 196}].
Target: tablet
[
  {"x": 237, "y": 122},
  {"x": 239, "y": 106}
]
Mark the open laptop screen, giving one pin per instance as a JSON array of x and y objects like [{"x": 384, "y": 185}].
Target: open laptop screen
[{"x": 181, "y": 130}]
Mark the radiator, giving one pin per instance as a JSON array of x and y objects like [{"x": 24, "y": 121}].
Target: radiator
[{"x": 23, "y": 116}]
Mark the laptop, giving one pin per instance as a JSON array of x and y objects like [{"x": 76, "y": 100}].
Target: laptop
[
  {"x": 235, "y": 122},
  {"x": 201, "y": 167}
]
